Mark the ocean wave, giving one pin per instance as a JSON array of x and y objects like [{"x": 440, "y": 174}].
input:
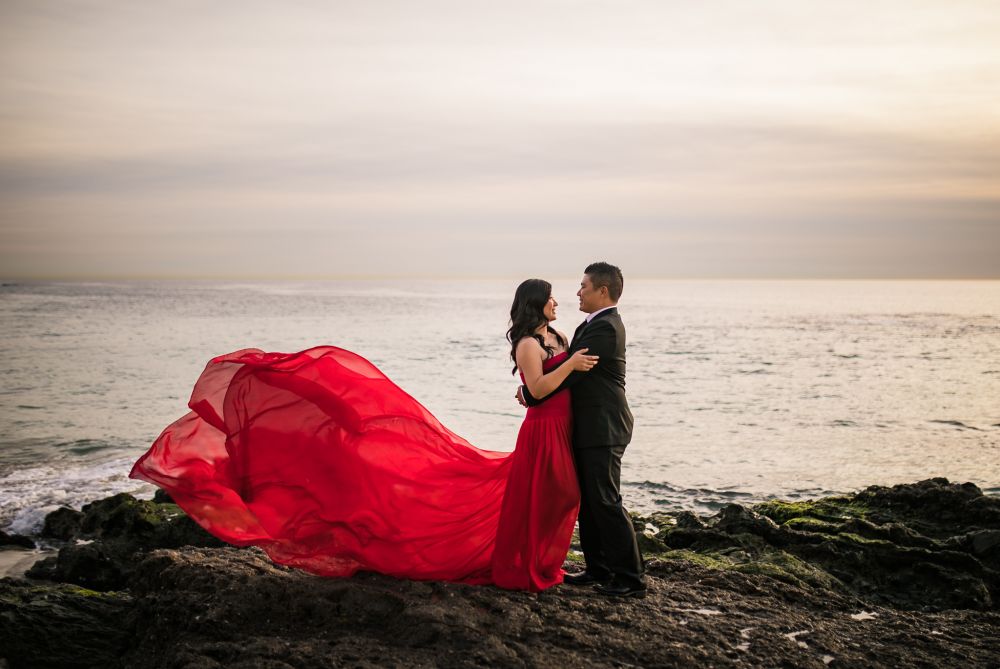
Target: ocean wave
[
  {"x": 648, "y": 496},
  {"x": 86, "y": 446},
  {"x": 956, "y": 423},
  {"x": 28, "y": 495}
]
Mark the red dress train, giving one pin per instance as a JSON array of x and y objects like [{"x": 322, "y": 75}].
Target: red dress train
[{"x": 329, "y": 466}]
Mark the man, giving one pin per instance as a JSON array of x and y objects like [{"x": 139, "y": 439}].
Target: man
[{"x": 602, "y": 428}]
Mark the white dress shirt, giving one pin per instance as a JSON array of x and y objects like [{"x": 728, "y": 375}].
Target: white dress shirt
[{"x": 591, "y": 316}]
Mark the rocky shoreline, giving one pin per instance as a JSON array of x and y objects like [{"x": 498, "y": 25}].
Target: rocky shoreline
[{"x": 905, "y": 576}]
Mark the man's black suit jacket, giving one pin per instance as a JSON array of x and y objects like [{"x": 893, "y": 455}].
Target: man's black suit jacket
[{"x": 601, "y": 416}]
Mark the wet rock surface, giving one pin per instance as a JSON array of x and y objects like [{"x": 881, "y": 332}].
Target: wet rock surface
[
  {"x": 810, "y": 584},
  {"x": 929, "y": 546},
  {"x": 105, "y": 538},
  {"x": 63, "y": 523},
  {"x": 17, "y": 540},
  {"x": 61, "y": 625}
]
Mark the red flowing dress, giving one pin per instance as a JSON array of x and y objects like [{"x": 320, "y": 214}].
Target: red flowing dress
[{"x": 327, "y": 465}]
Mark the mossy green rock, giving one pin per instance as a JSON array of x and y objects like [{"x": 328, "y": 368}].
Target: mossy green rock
[
  {"x": 61, "y": 625},
  {"x": 63, "y": 523},
  {"x": 111, "y": 533},
  {"x": 928, "y": 545}
]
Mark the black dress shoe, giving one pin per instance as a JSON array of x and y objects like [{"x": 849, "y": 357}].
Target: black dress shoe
[
  {"x": 584, "y": 578},
  {"x": 621, "y": 590}
]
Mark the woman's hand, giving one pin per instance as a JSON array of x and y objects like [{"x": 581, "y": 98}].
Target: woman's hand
[{"x": 581, "y": 362}]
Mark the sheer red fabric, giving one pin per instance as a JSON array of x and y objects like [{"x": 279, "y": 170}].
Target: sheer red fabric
[{"x": 327, "y": 465}]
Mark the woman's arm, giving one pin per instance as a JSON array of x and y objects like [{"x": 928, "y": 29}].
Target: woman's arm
[
  {"x": 530, "y": 356},
  {"x": 599, "y": 338}
]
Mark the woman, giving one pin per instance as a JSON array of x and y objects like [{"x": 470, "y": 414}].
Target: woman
[
  {"x": 542, "y": 497},
  {"x": 327, "y": 465}
]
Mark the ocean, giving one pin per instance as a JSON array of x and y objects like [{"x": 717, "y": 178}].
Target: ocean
[{"x": 742, "y": 390}]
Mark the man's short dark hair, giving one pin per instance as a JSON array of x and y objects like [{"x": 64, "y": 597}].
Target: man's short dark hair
[{"x": 606, "y": 274}]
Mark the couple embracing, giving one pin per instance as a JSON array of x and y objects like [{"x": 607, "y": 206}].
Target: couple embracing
[
  {"x": 601, "y": 424},
  {"x": 327, "y": 465}
]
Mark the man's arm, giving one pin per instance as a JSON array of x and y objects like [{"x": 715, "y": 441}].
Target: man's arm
[{"x": 599, "y": 338}]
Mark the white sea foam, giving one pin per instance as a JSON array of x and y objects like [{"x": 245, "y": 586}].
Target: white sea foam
[{"x": 27, "y": 495}]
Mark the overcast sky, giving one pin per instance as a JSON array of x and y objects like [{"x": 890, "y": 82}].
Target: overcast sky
[{"x": 472, "y": 138}]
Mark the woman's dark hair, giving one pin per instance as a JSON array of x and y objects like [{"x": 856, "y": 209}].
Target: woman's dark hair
[{"x": 527, "y": 313}]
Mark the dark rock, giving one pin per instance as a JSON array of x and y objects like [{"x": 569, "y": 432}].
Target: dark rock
[
  {"x": 645, "y": 534},
  {"x": 736, "y": 519},
  {"x": 142, "y": 524},
  {"x": 681, "y": 537},
  {"x": 649, "y": 543},
  {"x": 93, "y": 566},
  {"x": 61, "y": 625},
  {"x": 984, "y": 511},
  {"x": 161, "y": 496},
  {"x": 934, "y": 507},
  {"x": 985, "y": 544},
  {"x": 16, "y": 540},
  {"x": 120, "y": 516},
  {"x": 63, "y": 523},
  {"x": 689, "y": 521},
  {"x": 215, "y": 607},
  {"x": 111, "y": 536},
  {"x": 862, "y": 580},
  {"x": 44, "y": 569},
  {"x": 661, "y": 520},
  {"x": 928, "y": 545}
]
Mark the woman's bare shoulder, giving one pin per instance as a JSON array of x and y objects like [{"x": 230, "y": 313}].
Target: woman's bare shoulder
[{"x": 528, "y": 344}]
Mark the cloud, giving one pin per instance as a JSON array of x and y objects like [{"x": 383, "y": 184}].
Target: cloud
[
  {"x": 719, "y": 139},
  {"x": 761, "y": 158}
]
